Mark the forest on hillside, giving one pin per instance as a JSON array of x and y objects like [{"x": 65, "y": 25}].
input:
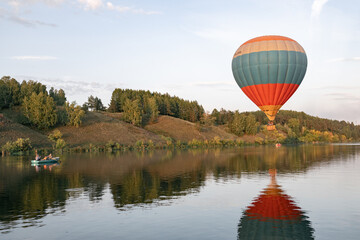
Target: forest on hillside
[{"x": 44, "y": 109}]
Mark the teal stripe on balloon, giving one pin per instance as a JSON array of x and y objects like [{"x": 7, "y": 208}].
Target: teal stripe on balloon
[{"x": 269, "y": 67}]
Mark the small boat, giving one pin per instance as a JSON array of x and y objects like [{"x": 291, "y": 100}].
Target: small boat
[{"x": 46, "y": 161}]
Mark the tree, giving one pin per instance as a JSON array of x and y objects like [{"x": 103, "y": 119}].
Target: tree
[
  {"x": 151, "y": 111},
  {"x": 243, "y": 124},
  {"x": 9, "y": 92},
  {"x": 5, "y": 94},
  {"x": 58, "y": 96},
  {"x": 237, "y": 126},
  {"x": 40, "y": 110},
  {"x": 74, "y": 113},
  {"x": 251, "y": 125},
  {"x": 132, "y": 112},
  {"x": 29, "y": 87},
  {"x": 294, "y": 125},
  {"x": 95, "y": 104}
]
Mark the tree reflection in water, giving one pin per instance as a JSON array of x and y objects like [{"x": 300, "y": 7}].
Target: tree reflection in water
[
  {"x": 274, "y": 215},
  {"x": 141, "y": 179}
]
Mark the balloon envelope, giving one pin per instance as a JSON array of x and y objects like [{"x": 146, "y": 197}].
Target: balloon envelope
[{"x": 269, "y": 69}]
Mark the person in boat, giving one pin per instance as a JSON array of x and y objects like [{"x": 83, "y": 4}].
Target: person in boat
[
  {"x": 48, "y": 157},
  {"x": 37, "y": 157}
]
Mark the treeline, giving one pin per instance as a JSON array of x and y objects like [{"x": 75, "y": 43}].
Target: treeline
[
  {"x": 298, "y": 125},
  {"x": 142, "y": 107},
  {"x": 38, "y": 107}
]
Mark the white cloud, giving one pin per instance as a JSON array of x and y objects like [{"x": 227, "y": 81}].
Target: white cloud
[
  {"x": 85, "y": 4},
  {"x": 351, "y": 59},
  {"x": 44, "y": 58},
  {"x": 91, "y": 4},
  {"x": 76, "y": 89},
  {"x": 19, "y": 3},
  {"x": 122, "y": 9},
  {"x": 317, "y": 6},
  {"x": 13, "y": 17}
]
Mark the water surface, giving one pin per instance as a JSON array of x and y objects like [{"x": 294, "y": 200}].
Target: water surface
[{"x": 304, "y": 192}]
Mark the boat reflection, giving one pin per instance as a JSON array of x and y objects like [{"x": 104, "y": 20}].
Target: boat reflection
[
  {"x": 46, "y": 166},
  {"x": 274, "y": 215}
]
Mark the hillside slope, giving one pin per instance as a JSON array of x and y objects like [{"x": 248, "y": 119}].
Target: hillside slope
[
  {"x": 11, "y": 131},
  {"x": 182, "y": 130},
  {"x": 98, "y": 128}
]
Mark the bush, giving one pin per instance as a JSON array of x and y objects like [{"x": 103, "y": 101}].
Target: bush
[
  {"x": 60, "y": 144},
  {"x": 20, "y": 145},
  {"x": 55, "y": 135},
  {"x": 110, "y": 145},
  {"x": 259, "y": 140}
]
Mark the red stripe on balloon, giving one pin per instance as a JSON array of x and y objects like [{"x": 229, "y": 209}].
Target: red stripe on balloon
[{"x": 266, "y": 94}]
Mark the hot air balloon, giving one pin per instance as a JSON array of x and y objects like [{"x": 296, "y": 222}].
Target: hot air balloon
[{"x": 268, "y": 70}]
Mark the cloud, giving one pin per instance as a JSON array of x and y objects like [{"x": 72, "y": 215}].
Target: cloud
[
  {"x": 120, "y": 9},
  {"x": 87, "y": 5},
  {"x": 77, "y": 90},
  {"x": 123, "y": 9},
  {"x": 13, "y": 17},
  {"x": 19, "y": 3},
  {"x": 351, "y": 59},
  {"x": 317, "y": 6},
  {"x": 99, "y": 4},
  {"x": 91, "y": 4},
  {"x": 45, "y": 58}
]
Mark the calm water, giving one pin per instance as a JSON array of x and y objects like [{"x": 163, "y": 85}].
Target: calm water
[{"x": 305, "y": 192}]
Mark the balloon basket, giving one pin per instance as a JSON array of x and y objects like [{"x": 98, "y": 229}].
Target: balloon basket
[{"x": 271, "y": 127}]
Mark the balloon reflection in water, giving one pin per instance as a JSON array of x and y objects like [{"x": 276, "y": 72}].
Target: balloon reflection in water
[{"x": 273, "y": 215}]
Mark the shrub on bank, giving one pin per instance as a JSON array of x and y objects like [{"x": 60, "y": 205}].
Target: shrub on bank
[{"x": 20, "y": 145}]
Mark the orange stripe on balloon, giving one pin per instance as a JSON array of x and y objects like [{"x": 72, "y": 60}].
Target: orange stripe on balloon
[
  {"x": 268, "y": 38},
  {"x": 263, "y": 94}
]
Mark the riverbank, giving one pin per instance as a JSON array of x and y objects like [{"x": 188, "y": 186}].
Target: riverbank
[{"x": 106, "y": 132}]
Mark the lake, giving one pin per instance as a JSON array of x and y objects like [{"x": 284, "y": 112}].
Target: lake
[{"x": 298, "y": 192}]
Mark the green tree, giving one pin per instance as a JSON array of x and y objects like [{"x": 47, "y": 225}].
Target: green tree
[
  {"x": 40, "y": 110},
  {"x": 243, "y": 124},
  {"x": 5, "y": 95},
  {"x": 27, "y": 88},
  {"x": 132, "y": 112},
  {"x": 58, "y": 96},
  {"x": 151, "y": 111},
  {"x": 238, "y": 124},
  {"x": 294, "y": 125},
  {"x": 74, "y": 113},
  {"x": 95, "y": 104},
  {"x": 9, "y": 92}
]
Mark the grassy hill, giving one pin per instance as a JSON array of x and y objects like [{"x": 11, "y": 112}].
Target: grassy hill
[
  {"x": 10, "y": 131},
  {"x": 99, "y": 128},
  {"x": 185, "y": 131}
]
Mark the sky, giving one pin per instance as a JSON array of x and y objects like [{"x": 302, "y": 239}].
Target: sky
[{"x": 185, "y": 48}]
